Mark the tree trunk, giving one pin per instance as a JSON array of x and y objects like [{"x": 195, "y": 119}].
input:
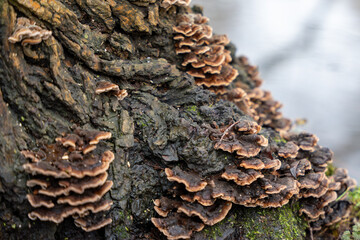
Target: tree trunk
[{"x": 49, "y": 87}]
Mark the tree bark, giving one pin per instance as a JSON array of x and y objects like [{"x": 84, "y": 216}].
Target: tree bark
[{"x": 48, "y": 88}]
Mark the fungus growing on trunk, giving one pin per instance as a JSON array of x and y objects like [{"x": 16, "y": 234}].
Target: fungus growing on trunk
[
  {"x": 27, "y": 32},
  {"x": 169, "y": 3},
  {"x": 279, "y": 172},
  {"x": 104, "y": 86},
  {"x": 205, "y": 55},
  {"x": 177, "y": 226},
  {"x": 240, "y": 137},
  {"x": 192, "y": 182},
  {"x": 70, "y": 180}
]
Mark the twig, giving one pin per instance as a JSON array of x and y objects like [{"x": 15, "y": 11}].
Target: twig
[
  {"x": 311, "y": 234},
  {"x": 226, "y": 131}
]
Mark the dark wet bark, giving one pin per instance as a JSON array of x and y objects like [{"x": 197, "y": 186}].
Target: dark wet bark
[{"x": 48, "y": 88}]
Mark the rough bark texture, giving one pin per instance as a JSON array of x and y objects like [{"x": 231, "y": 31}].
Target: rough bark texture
[{"x": 48, "y": 88}]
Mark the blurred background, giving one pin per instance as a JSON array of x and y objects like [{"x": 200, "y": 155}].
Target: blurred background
[{"x": 308, "y": 53}]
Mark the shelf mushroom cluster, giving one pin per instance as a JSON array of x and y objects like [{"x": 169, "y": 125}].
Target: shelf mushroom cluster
[
  {"x": 337, "y": 210},
  {"x": 205, "y": 55},
  {"x": 207, "y": 60},
  {"x": 264, "y": 174},
  {"x": 257, "y": 103},
  {"x": 169, "y": 3},
  {"x": 27, "y": 32},
  {"x": 70, "y": 179},
  {"x": 264, "y": 109}
]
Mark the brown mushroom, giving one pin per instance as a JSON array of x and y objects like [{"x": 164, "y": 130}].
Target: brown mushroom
[
  {"x": 176, "y": 226},
  {"x": 39, "y": 201},
  {"x": 338, "y": 211},
  {"x": 27, "y": 32},
  {"x": 289, "y": 150},
  {"x": 305, "y": 141},
  {"x": 243, "y": 145},
  {"x": 209, "y": 215},
  {"x": 60, "y": 212},
  {"x": 241, "y": 177},
  {"x": 73, "y": 185},
  {"x": 203, "y": 51},
  {"x": 168, "y": 3},
  {"x": 90, "y": 166},
  {"x": 91, "y": 223},
  {"x": 203, "y": 197},
  {"x": 104, "y": 86},
  {"x": 90, "y": 195},
  {"x": 70, "y": 181},
  {"x": 164, "y": 205},
  {"x": 192, "y": 181}
]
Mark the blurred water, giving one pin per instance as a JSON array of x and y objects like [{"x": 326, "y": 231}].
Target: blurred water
[{"x": 308, "y": 53}]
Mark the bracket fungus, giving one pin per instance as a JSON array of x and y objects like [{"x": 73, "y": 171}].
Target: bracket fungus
[
  {"x": 169, "y": 3},
  {"x": 268, "y": 178},
  {"x": 70, "y": 179},
  {"x": 266, "y": 110},
  {"x": 104, "y": 86},
  {"x": 205, "y": 55},
  {"x": 27, "y": 32},
  {"x": 241, "y": 137}
]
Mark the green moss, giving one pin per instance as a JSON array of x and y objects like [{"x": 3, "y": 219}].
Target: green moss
[
  {"x": 280, "y": 140},
  {"x": 143, "y": 121},
  {"x": 193, "y": 110},
  {"x": 354, "y": 234},
  {"x": 215, "y": 231},
  {"x": 278, "y": 223},
  {"x": 122, "y": 232},
  {"x": 354, "y": 197},
  {"x": 330, "y": 170}
]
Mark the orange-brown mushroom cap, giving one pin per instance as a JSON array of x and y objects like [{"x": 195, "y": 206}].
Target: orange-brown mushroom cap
[
  {"x": 241, "y": 177},
  {"x": 209, "y": 215},
  {"x": 74, "y": 185},
  {"x": 192, "y": 182},
  {"x": 176, "y": 226},
  {"x": 60, "y": 212},
  {"x": 289, "y": 150},
  {"x": 91, "y": 223},
  {"x": 90, "y": 195},
  {"x": 27, "y": 32}
]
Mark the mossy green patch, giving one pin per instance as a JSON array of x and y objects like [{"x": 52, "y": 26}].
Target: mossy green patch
[
  {"x": 280, "y": 140},
  {"x": 330, "y": 170},
  {"x": 192, "y": 110},
  {"x": 273, "y": 223},
  {"x": 354, "y": 234},
  {"x": 216, "y": 231},
  {"x": 122, "y": 232},
  {"x": 143, "y": 120}
]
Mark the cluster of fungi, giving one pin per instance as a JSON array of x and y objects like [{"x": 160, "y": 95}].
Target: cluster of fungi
[
  {"x": 208, "y": 61},
  {"x": 27, "y": 32},
  {"x": 169, "y": 3},
  {"x": 70, "y": 179},
  {"x": 267, "y": 172},
  {"x": 204, "y": 53}
]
